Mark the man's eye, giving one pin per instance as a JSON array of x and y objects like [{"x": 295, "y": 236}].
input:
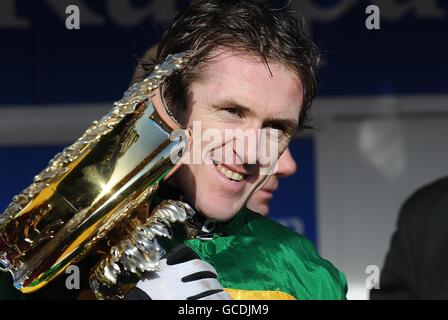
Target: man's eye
[
  {"x": 234, "y": 111},
  {"x": 279, "y": 127}
]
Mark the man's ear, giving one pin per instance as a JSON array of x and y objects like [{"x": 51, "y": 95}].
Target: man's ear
[
  {"x": 181, "y": 106},
  {"x": 181, "y": 113},
  {"x": 166, "y": 114}
]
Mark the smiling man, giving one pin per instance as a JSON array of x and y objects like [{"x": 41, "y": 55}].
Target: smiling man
[
  {"x": 251, "y": 68},
  {"x": 286, "y": 166},
  {"x": 235, "y": 92}
]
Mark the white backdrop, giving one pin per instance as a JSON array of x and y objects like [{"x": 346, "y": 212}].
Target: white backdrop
[{"x": 372, "y": 154}]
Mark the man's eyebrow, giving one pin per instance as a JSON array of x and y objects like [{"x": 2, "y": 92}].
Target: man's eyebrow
[
  {"x": 290, "y": 125},
  {"x": 230, "y": 103}
]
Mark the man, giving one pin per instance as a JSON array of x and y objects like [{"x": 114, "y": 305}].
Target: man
[
  {"x": 416, "y": 264},
  {"x": 249, "y": 68}
]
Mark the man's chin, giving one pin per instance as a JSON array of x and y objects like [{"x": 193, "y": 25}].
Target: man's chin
[
  {"x": 260, "y": 208},
  {"x": 221, "y": 213}
]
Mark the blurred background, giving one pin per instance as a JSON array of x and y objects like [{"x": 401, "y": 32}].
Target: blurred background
[{"x": 381, "y": 113}]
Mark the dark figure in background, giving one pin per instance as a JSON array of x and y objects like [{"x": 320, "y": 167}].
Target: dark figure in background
[{"x": 416, "y": 265}]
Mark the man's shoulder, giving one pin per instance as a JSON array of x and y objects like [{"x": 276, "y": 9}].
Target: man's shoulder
[
  {"x": 322, "y": 279},
  {"x": 428, "y": 203},
  {"x": 429, "y": 194},
  {"x": 275, "y": 232}
]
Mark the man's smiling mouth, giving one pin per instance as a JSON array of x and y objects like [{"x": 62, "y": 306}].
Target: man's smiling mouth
[{"x": 230, "y": 174}]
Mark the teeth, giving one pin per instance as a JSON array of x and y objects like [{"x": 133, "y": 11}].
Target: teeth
[
  {"x": 237, "y": 176},
  {"x": 229, "y": 173}
]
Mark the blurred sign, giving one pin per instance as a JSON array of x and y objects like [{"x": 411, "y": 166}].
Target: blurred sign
[
  {"x": 44, "y": 62},
  {"x": 294, "y": 203}
]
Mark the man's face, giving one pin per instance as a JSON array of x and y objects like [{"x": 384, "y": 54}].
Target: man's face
[{"x": 235, "y": 92}]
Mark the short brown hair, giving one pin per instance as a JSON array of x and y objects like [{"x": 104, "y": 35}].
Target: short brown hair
[{"x": 247, "y": 26}]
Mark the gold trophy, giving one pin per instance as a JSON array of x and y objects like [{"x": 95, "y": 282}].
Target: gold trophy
[{"x": 93, "y": 189}]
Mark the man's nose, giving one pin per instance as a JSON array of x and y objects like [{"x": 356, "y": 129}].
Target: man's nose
[
  {"x": 286, "y": 165},
  {"x": 246, "y": 146},
  {"x": 256, "y": 146}
]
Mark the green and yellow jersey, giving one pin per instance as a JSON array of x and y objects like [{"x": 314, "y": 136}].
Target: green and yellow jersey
[{"x": 258, "y": 258}]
